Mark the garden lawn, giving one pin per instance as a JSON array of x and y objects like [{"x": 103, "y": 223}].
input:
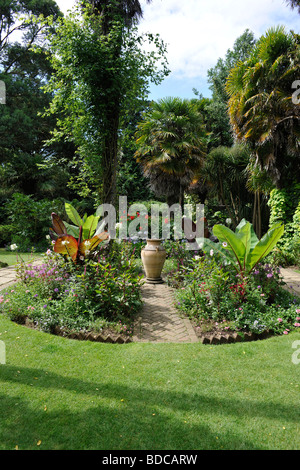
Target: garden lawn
[
  {"x": 11, "y": 257},
  {"x": 65, "y": 394}
]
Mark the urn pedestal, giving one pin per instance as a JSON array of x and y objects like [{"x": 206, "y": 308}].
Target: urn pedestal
[{"x": 153, "y": 258}]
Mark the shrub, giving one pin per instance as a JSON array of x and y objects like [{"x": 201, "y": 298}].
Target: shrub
[
  {"x": 6, "y": 232},
  {"x": 74, "y": 296},
  {"x": 285, "y": 208},
  {"x": 30, "y": 220},
  {"x": 210, "y": 291}
]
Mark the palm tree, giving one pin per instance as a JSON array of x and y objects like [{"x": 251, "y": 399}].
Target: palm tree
[
  {"x": 225, "y": 174},
  {"x": 125, "y": 13},
  {"x": 130, "y": 10},
  {"x": 171, "y": 145},
  {"x": 261, "y": 108},
  {"x": 294, "y": 4}
]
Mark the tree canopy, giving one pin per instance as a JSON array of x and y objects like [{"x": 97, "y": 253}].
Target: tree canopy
[
  {"x": 100, "y": 76},
  {"x": 171, "y": 143},
  {"x": 261, "y": 107}
]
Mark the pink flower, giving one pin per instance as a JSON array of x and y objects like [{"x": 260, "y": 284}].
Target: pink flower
[
  {"x": 297, "y": 318},
  {"x": 297, "y": 310},
  {"x": 285, "y": 332},
  {"x": 279, "y": 319},
  {"x": 297, "y": 324}
]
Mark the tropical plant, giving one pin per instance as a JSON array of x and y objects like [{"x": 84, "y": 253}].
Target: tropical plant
[
  {"x": 225, "y": 174},
  {"x": 87, "y": 240},
  {"x": 171, "y": 144},
  {"x": 261, "y": 108},
  {"x": 242, "y": 248},
  {"x": 294, "y": 4},
  {"x": 216, "y": 109}
]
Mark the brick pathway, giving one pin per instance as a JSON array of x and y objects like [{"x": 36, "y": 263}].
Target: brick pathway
[{"x": 160, "y": 322}]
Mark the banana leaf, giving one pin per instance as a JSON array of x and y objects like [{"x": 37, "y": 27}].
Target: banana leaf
[
  {"x": 264, "y": 246},
  {"x": 92, "y": 243},
  {"x": 67, "y": 245},
  {"x": 58, "y": 225},
  {"x": 89, "y": 226},
  {"x": 242, "y": 248},
  {"x": 73, "y": 214}
]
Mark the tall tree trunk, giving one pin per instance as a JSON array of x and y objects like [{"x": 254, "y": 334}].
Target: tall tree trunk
[
  {"x": 110, "y": 152},
  {"x": 110, "y": 12},
  {"x": 256, "y": 219},
  {"x": 181, "y": 197}
]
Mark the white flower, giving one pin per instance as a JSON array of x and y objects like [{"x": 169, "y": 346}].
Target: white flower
[
  {"x": 65, "y": 242},
  {"x": 224, "y": 244},
  {"x": 48, "y": 252},
  {"x": 197, "y": 257},
  {"x": 47, "y": 237},
  {"x": 211, "y": 252},
  {"x": 118, "y": 225},
  {"x": 228, "y": 221},
  {"x": 13, "y": 247}
]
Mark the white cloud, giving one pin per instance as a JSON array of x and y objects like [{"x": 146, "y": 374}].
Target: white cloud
[
  {"x": 65, "y": 5},
  {"x": 198, "y": 32}
]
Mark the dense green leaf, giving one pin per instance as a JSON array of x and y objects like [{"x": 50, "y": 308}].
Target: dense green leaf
[
  {"x": 73, "y": 214},
  {"x": 264, "y": 246}
]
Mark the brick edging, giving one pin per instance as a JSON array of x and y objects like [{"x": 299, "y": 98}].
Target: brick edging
[
  {"x": 87, "y": 336},
  {"x": 236, "y": 337}
]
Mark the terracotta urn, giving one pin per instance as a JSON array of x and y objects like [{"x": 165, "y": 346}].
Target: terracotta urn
[{"x": 153, "y": 258}]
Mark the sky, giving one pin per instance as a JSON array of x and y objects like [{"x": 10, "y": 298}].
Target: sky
[{"x": 199, "y": 32}]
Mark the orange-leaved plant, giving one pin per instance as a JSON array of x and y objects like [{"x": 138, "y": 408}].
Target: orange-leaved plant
[{"x": 66, "y": 244}]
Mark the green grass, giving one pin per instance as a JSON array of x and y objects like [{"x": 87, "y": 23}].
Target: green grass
[
  {"x": 12, "y": 257},
  {"x": 66, "y": 394}
]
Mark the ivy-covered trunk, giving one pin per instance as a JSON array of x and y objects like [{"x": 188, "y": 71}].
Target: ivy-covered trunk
[
  {"x": 110, "y": 13},
  {"x": 109, "y": 157}
]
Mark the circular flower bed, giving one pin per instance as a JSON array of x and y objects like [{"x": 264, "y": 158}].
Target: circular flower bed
[{"x": 221, "y": 302}]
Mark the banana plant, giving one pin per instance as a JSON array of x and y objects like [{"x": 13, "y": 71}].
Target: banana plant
[
  {"x": 242, "y": 248},
  {"x": 88, "y": 223},
  {"x": 76, "y": 244}
]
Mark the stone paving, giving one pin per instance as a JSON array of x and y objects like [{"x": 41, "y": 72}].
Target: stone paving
[
  {"x": 292, "y": 279},
  {"x": 160, "y": 321},
  {"x": 7, "y": 277}
]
